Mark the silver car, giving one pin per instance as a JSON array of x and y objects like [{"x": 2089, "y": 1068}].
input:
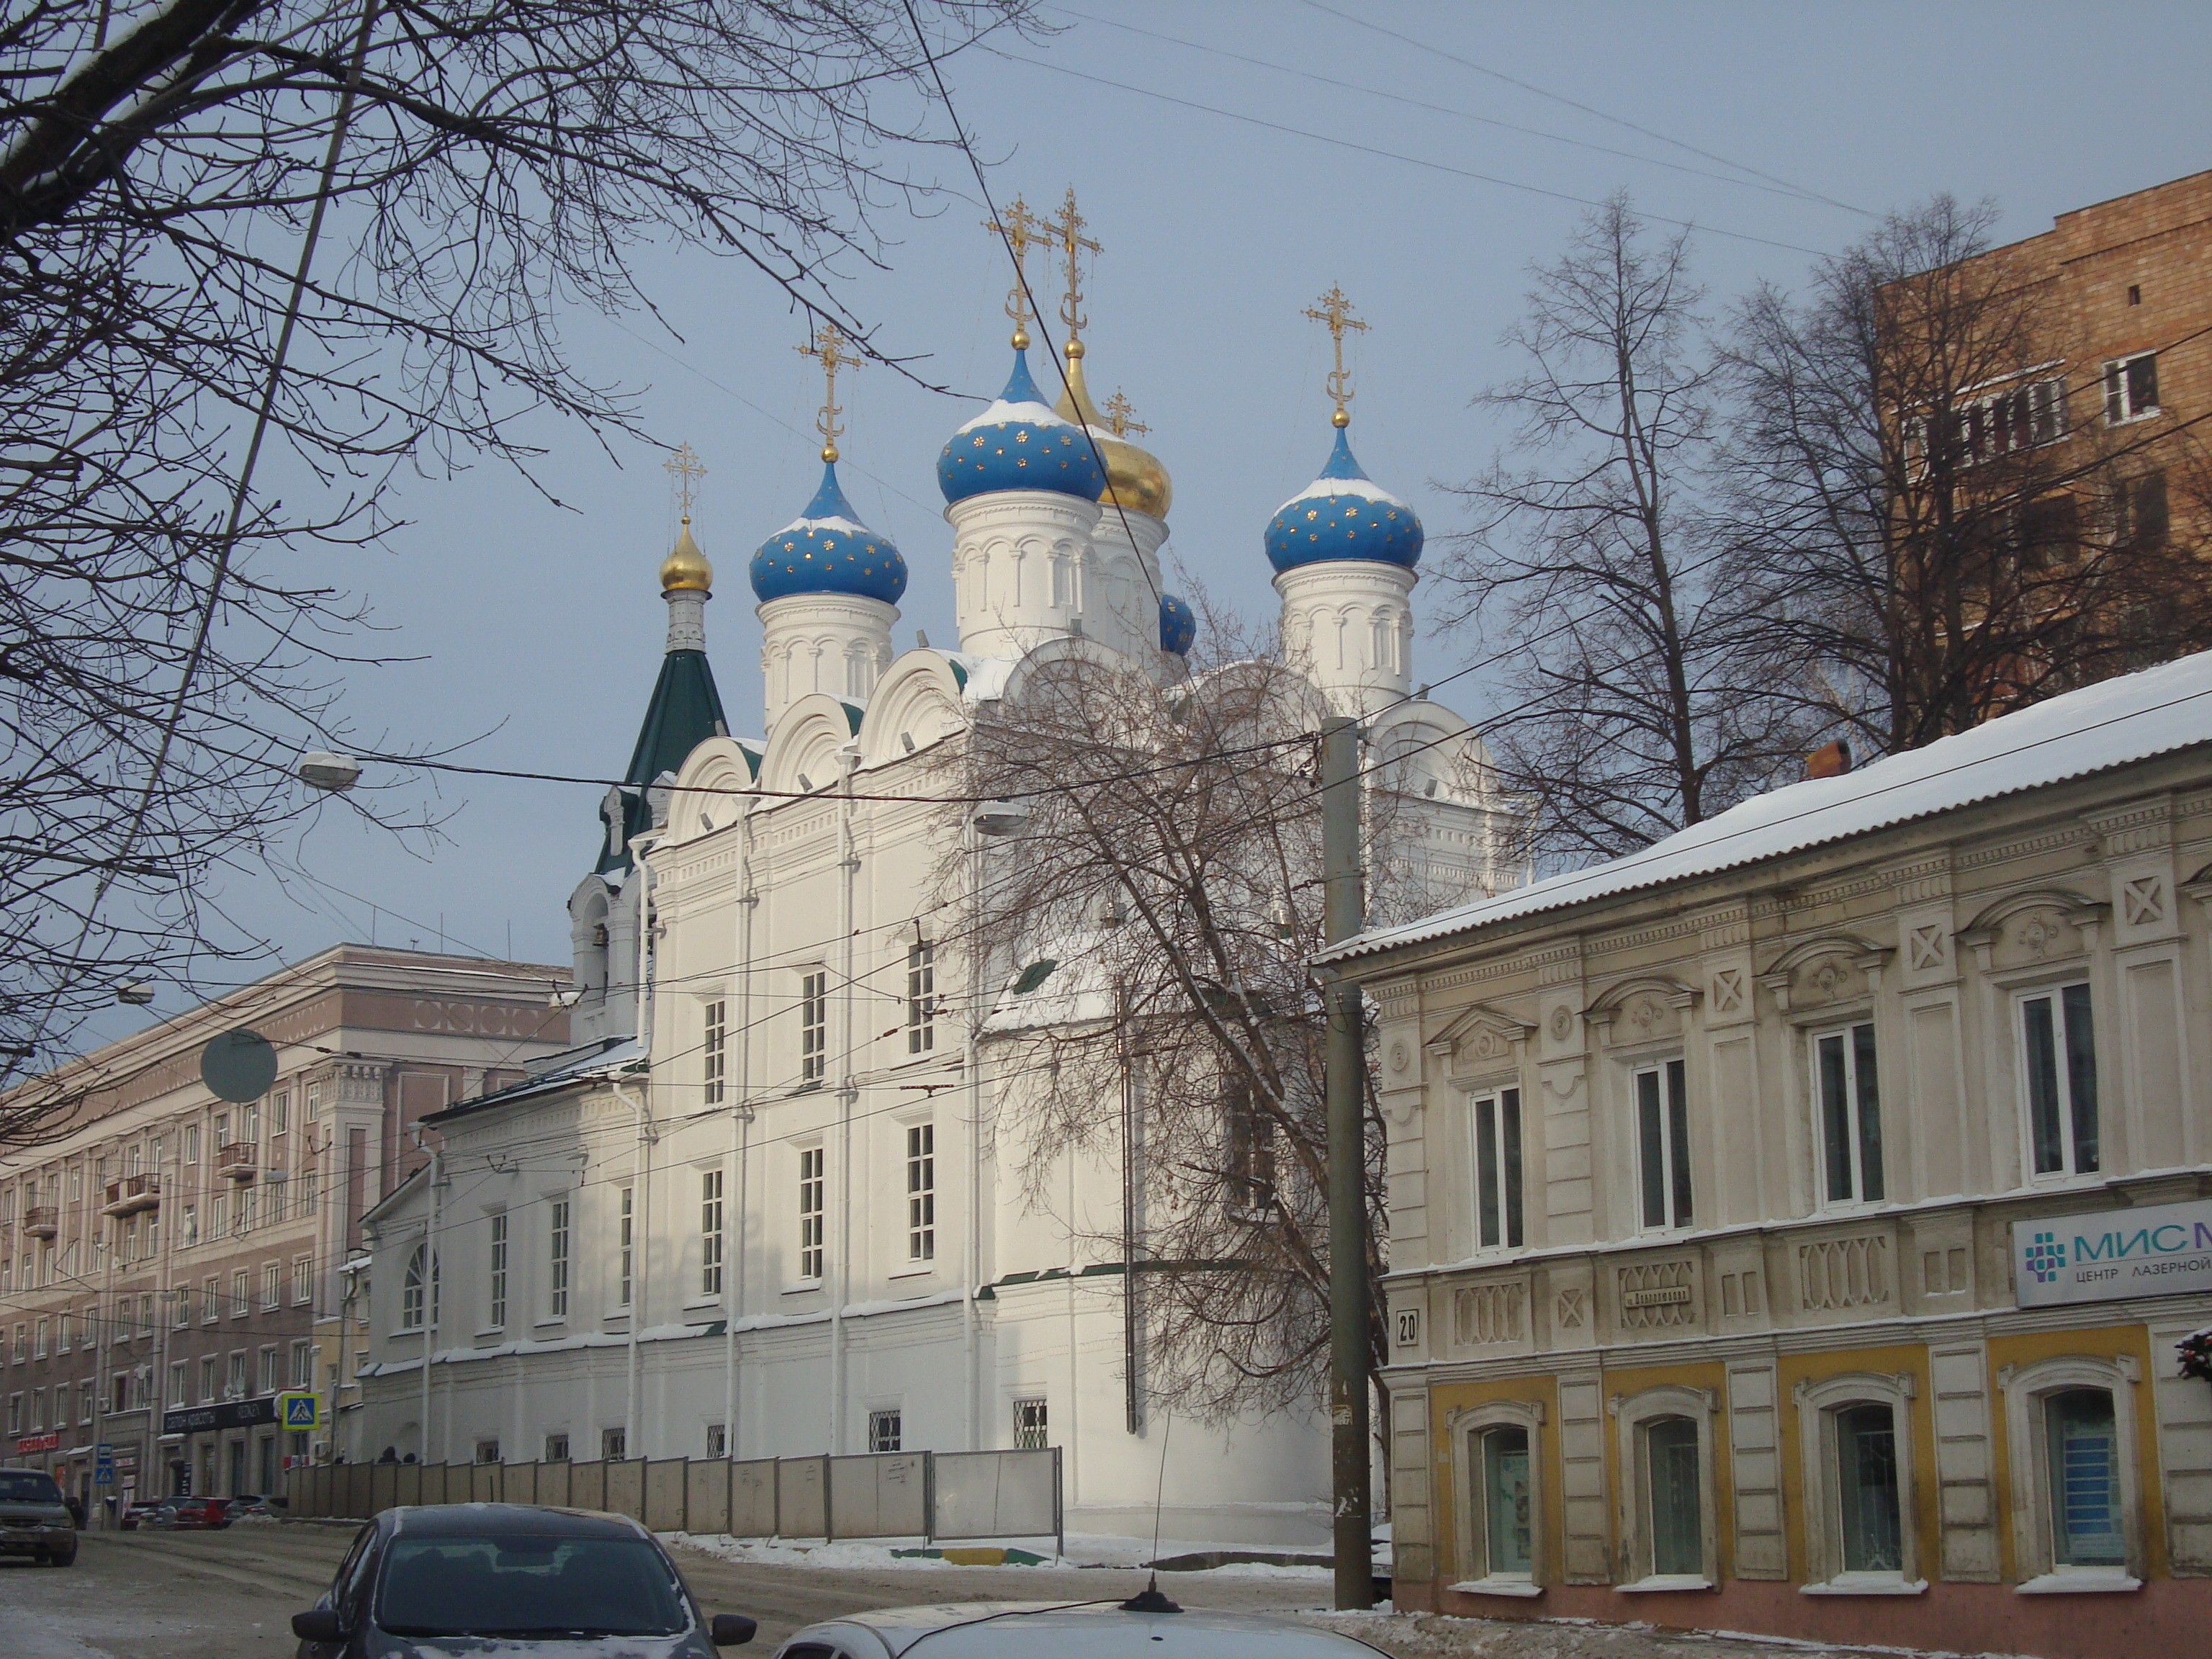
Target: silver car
[{"x": 1093, "y": 1630}]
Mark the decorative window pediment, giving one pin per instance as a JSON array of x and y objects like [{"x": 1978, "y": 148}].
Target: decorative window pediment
[
  {"x": 1835, "y": 967},
  {"x": 1648, "y": 1007},
  {"x": 2028, "y": 929},
  {"x": 1481, "y": 1038}
]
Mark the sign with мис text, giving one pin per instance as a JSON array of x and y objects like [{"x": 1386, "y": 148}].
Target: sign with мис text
[{"x": 2109, "y": 1255}]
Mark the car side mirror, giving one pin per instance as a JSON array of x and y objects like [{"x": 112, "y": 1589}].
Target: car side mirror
[
  {"x": 318, "y": 1624},
  {"x": 730, "y": 1630}
]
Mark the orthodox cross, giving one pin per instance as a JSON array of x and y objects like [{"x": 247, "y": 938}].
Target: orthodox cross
[
  {"x": 1121, "y": 414},
  {"x": 1067, "y": 235},
  {"x": 823, "y": 349},
  {"x": 683, "y": 466},
  {"x": 1018, "y": 228},
  {"x": 1334, "y": 312}
]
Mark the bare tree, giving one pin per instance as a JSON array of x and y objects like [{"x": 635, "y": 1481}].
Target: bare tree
[
  {"x": 169, "y": 638},
  {"x": 1178, "y": 911},
  {"x": 1936, "y": 519},
  {"x": 1634, "y": 702}
]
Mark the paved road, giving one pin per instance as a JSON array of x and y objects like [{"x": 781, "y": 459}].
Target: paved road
[{"x": 231, "y": 1595}]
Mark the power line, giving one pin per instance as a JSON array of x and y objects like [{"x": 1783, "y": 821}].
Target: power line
[
  {"x": 1790, "y": 191},
  {"x": 1387, "y": 154},
  {"x": 1427, "y": 49}
]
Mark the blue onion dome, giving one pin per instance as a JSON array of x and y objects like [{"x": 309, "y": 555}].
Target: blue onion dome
[
  {"x": 1178, "y": 627},
  {"x": 1342, "y": 514},
  {"x": 827, "y": 549},
  {"x": 1018, "y": 443}
]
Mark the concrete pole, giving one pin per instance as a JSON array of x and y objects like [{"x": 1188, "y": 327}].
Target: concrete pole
[{"x": 1346, "y": 910}]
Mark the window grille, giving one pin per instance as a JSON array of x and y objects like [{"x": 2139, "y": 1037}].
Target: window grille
[{"x": 1030, "y": 1429}]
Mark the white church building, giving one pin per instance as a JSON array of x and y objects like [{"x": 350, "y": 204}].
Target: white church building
[{"x": 762, "y": 1210}]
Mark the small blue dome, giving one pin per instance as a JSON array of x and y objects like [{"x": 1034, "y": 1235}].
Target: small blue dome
[
  {"x": 1178, "y": 627},
  {"x": 1343, "y": 515},
  {"x": 1018, "y": 443},
  {"x": 827, "y": 549}
]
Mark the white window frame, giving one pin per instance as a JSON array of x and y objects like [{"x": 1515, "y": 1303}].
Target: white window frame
[
  {"x": 1818, "y": 1404},
  {"x": 1854, "y": 1112},
  {"x": 1511, "y": 1197},
  {"x": 1463, "y": 1431},
  {"x": 2026, "y": 1389},
  {"x": 813, "y": 1212},
  {"x": 1673, "y": 1174},
  {"x": 920, "y": 1167},
  {"x": 1632, "y": 1417},
  {"x": 303, "y": 1279},
  {"x": 712, "y": 1220},
  {"x": 813, "y": 1024},
  {"x": 921, "y": 997},
  {"x": 886, "y": 1429},
  {"x": 559, "y": 1257},
  {"x": 713, "y": 1049},
  {"x": 2054, "y": 992},
  {"x": 495, "y": 1251},
  {"x": 625, "y": 1246},
  {"x": 2119, "y": 403}
]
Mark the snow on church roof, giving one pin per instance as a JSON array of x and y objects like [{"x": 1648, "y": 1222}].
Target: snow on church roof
[{"x": 2134, "y": 718}]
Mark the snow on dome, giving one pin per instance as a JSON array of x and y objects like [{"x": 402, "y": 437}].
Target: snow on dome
[
  {"x": 1343, "y": 514},
  {"x": 827, "y": 549},
  {"x": 1178, "y": 625},
  {"x": 1018, "y": 443}
]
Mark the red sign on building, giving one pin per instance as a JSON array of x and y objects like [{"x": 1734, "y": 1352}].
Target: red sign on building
[{"x": 38, "y": 1442}]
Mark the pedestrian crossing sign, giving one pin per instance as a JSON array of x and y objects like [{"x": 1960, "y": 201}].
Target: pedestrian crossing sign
[{"x": 299, "y": 1411}]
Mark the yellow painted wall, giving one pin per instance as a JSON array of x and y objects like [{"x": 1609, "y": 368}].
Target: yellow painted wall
[
  {"x": 2098, "y": 1342},
  {"x": 1448, "y": 1398},
  {"x": 1795, "y": 1368}
]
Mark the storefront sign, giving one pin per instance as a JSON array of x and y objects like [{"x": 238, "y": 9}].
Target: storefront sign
[
  {"x": 2111, "y": 1255},
  {"x": 230, "y": 1414},
  {"x": 38, "y": 1443}
]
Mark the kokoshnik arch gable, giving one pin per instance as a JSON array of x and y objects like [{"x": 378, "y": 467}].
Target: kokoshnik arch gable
[{"x": 746, "y": 1218}]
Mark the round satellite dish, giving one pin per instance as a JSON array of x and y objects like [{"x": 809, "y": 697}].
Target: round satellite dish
[{"x": 238, "y": 1066}]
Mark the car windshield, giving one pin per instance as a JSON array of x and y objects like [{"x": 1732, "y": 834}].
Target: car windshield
[
  {"x": 25, "y": 1486},
  {"x": 525, "y": 1585}
]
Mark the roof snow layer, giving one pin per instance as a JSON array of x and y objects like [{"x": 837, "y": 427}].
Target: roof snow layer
[{"x": 2118, "y": 723}]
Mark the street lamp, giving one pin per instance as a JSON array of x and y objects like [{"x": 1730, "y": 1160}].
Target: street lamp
[{"x": 319, "y": 769}]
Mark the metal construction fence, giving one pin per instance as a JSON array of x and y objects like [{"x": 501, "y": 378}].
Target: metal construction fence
[{"x": 926, "y": 1495}]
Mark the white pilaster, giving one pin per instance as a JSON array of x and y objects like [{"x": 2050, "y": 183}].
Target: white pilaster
[
  {"x": 1348, "y": 627},
  {"x": 840, "y": 643},
  {"x": 1021, "y": 559}
]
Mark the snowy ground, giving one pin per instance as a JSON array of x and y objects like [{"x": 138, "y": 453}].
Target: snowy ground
[
  {"x": 1436, "y": 1636},
  {"x": 1082, "y": 1550}
]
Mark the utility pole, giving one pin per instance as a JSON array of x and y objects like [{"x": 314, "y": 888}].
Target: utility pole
[{"x": 1344, "y": 914}]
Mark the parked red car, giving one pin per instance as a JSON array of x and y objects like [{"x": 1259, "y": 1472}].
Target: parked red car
[{"x": 194, "y": 1514}]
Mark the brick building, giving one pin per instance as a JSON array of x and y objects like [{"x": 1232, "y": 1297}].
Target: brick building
[{"x": 173, "y": 1259}]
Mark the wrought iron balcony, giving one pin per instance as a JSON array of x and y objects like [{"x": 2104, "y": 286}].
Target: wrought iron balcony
[
  {"x": 237, "y": 1161},
  {"x": 42, "y": 1220},
  {"x": 132, "y": 1194}
]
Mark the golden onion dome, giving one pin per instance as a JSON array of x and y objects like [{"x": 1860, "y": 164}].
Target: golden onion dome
[
  {"x": 1134, "y": 476},
  {"x": 686, "y": 567}
]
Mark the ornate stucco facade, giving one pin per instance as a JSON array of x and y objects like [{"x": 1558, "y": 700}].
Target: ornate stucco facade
[{"x": 1716, "y": 1296}]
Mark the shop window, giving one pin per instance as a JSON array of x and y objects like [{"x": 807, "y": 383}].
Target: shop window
[
  {"x": 2076, "y": 1507},
  {"x": 1857, "y": 1454},
  {"x": 1498, "y": 1494},
  {"x": 1667, "y": 1504}
]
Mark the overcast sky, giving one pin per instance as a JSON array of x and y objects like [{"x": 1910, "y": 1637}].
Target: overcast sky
[{"x": 1423, "y": 158}]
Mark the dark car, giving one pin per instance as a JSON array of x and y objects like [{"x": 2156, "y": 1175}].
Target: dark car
[
  {"x": 33, "y": 1519},
  {"x": 418, "y": 1579}
]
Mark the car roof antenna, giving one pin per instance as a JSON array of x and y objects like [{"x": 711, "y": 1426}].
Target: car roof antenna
[{"x": 1151, "y": 1599}]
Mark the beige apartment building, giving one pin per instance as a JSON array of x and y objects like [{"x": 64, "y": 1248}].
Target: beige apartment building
[
  {"x": 1800, "y": 1225},
  {"x": 169, "y": 1261}
]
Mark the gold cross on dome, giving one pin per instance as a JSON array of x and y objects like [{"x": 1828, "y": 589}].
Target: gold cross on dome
[
  {"x": 823, "y": 349},
  {"x": 683, "y": 464},
  {"x": 1067, "y": 236},
  {"x": 1019, "y": 230},
  {"x": 1121, "y": 415},
  {"x": 1334, "y": 312}
]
